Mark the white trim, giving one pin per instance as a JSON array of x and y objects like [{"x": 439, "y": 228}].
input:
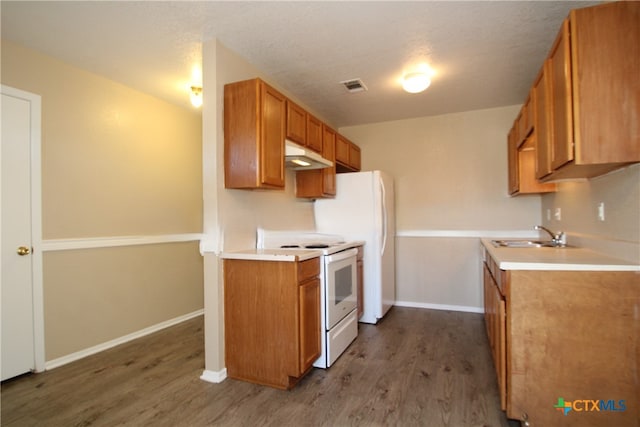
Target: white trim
[
  {"x": 108, "y": 242},
  {"x": 55, "y": 363},
  {"x": 489, "y": 234},
  {"x": 464, "y": 308},
  {"x": 214, "y": 376},
  {"x": 35, "y": 103}
]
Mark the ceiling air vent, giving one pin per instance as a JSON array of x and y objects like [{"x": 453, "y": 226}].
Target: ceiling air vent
[{"x": 354, "y": 85}]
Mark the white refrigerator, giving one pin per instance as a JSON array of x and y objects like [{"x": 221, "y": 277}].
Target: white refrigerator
[{"x": 363, "y": 209}]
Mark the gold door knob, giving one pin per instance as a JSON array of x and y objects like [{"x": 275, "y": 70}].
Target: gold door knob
[{"x": 23, "y": 250}]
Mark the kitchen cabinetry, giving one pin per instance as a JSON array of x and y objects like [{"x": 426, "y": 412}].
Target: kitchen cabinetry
[
  {"x": 563, "y": 334},
  {"x": 522, "y": 164},
  {"x": 525, "y": 120},
  {"x": 512, "y": 159},
  {"x": 495, "y": 323},
  {"x": 319, "y": 183},
  {"x": 347, "y": 155},
  {"x": 355, "y": 158},
  {"x": 272, "y": 320},
  {"x": 581, "y": 108},
  {"x": 521, "y": 151},
  {"x": 314, "y": 134},
  {"x": 593, "y": 80},
  {"x": 254, "y": 133},
  {"x": 296, "y": 123},
  {"x": 542, "y": 121}
]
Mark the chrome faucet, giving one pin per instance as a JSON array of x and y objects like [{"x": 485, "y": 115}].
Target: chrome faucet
[{"x": 557, "y": 239}]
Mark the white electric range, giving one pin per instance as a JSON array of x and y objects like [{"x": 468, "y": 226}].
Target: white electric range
[{"x": 338, "y": 285}]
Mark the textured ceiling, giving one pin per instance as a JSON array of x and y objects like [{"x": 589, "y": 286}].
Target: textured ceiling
[{"x": 484, "y": 53}]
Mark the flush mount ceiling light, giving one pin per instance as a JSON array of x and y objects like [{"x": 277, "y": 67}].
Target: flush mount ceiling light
[
  {"x": 416, "y": 82},
  {"x": 196, "y": 96}
]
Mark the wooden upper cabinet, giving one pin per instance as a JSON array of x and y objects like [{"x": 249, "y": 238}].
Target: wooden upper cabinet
[
  {"x": 512, "y": 156},
  {"x": 561, "y": 102},
  {"x": 254, "y": 133},
  {"x": 606, "y": 69},
  {"x": 320, "y": 183},
  {"x": 525, "y": 121},
  {"x": 347, "y": 155},
  {"x": 296, "y": 123},
  {"x": 522, "y": 162},
  {"x": 595, "y": 64},
  {"x": 342, "y": 149},
  {"x": 314, "y": 134},
  {"x": 355, "y": 157},
  {"x": 329, "y": 153},
  {"x": 526, "y": 158},
  {"x": 541, "y": 121}
]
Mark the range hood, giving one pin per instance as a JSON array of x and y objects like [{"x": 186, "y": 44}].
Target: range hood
[{"x": 297, "y": 157}]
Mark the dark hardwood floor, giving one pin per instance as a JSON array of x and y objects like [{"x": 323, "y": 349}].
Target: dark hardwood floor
[{"x": 415, "y": 368}]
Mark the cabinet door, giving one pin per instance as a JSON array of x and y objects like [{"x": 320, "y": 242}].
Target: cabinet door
[
  {"x": 314, "y": 134},
  {"x": 512, "y": 154},
  {"x": 605, "y": 43},
  {"x": 354, "y": 157},
  {"x": 329, "y": 153},
  {"x": 296, "y": 123},
  {"x": 541, "y": 121},
  {"x": 561, "y": 112},
  {"x": 501, "y": 347},
  {"x": 320, "y": 182},
  {"x": 527, "y": 182},
  {"x": 342, "y": 149},
  {"x": 523, "y": 120},
  {"x": 309, "y": 300},
  {"x": 272, "y": 141},
  {"x": 495, "y": 322}
]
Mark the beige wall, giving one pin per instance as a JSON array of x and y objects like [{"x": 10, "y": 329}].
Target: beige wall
[
  {"x": 94, "y": 296},
  {"x": 450, "y": 176},
  {"x": 115, "y": 162},
  {"x": 619, "y": 233}
]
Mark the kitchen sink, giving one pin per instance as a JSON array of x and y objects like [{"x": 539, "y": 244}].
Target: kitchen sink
[{"x": 524, "y": 244}]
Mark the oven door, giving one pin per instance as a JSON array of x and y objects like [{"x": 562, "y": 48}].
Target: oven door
[{"x": 340, "y": 280}]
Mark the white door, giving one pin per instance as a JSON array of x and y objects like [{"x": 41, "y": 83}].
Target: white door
[{"x": 18, "y": 353}]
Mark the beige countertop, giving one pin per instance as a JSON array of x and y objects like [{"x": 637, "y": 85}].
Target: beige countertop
[
  {"x": 569, "y": 259},
  {"x": 287, "y": 255}
]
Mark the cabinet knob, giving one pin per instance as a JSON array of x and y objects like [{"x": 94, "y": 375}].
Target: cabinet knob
[{"x": 525, "y": 420}]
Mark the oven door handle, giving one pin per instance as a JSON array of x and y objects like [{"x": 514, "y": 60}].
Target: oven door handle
[{"x": 339, "y": 256}]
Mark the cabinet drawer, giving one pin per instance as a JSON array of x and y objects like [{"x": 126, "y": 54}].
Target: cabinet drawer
[{"x": 308, "y": 269}]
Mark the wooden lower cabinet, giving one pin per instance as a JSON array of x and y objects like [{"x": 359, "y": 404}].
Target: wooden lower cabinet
[
  {"x": 495, "y": 322},
  {"x": 570, "y": 336},
  {"x": 272, "y": 320}
]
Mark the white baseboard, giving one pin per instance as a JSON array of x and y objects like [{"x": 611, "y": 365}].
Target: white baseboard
[
  {"x": 60, "y": 361},
  {"x": 214, "y": 376},
  {"x": 463, "y": 308}
]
